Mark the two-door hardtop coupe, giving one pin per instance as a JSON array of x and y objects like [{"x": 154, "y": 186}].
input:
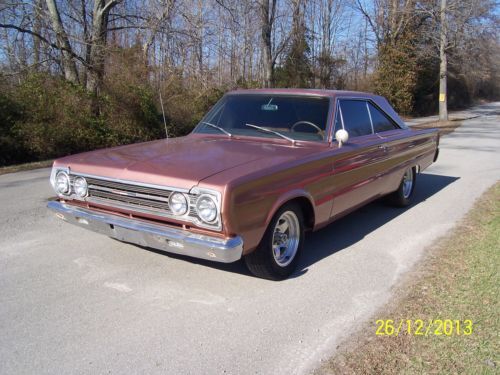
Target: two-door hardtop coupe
[{"x": 258, "y": 171}]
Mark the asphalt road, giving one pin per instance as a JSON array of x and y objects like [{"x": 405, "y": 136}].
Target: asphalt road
[{"x": 72, "y": 301}]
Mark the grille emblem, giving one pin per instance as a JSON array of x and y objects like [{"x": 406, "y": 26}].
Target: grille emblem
[{"x": 125, "y": 193}]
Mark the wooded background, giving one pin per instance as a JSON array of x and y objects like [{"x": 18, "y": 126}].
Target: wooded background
[{"x": 78, "y": 75}]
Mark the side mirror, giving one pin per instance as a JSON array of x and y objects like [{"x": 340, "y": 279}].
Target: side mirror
[{"x": 342, "y": 136}]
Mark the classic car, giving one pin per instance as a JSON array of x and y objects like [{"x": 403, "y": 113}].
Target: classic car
[{"x": 257, "y": 172}]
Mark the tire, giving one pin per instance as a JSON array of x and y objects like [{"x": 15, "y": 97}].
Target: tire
[
  {"x": 264, "y": 262},
  {"x": 403, "y": 196}
]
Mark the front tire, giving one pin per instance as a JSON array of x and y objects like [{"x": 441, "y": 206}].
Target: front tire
[
  {"x": 277, "y": 255},
  {"x": 402, "y": 196}
]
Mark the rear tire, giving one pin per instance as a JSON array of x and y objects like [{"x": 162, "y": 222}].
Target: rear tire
[
  {"x": 403, "y": 196},
  {"x": 277, "y": 255}
]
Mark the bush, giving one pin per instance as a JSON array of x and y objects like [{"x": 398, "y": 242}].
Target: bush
[
  {"x": 185, "y": 106},
  {"x": 396, "y": 76},
  {"x": 10, "y": 151},
  {"x": 55, "y": 118},
  {"x": 45, "y": 117}
]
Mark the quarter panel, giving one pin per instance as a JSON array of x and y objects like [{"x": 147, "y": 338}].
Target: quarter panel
[{"x": 406, "y": 149}]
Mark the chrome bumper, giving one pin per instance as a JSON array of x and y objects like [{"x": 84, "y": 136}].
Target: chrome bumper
[{"x": 156, "y": 236}]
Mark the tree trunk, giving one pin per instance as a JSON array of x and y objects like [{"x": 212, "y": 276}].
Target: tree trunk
[
  {"x": 37, "y": 28},
  {"x": 86, "y": 37},
  {"x": 443, "y": 66},
  {"x": 98, "y": 36},
  {"x": 68, "y": 61},
  {"x": 267, "y": 21},
  {"x": 98, "y": 41}
]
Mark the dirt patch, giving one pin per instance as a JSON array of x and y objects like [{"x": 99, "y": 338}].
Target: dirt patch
[
  {"x": 26, "y": 167},
  {"x": 444, "y": 127}
]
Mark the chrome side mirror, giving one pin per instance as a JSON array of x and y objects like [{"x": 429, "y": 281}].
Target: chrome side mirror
[{"x": 342, "y": 136}]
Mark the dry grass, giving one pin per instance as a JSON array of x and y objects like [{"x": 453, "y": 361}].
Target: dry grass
[
  {"x": 25, "y": 167},
  {"x": 459, "y": 279},
  {"x": 444, "y": 127}
]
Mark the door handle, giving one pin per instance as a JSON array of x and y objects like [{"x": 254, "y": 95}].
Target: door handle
[{"x": 382, "y": 147}]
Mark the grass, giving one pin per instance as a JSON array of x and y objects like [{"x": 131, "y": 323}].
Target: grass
[
  {"x": 459, "y": 279},
  {"x": 26, "y": 166}
]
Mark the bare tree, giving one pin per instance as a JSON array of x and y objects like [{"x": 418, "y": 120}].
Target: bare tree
[
  {"x": 68, "y": 56},
  {"x": 453, "y": 27},
  {"x": 268, "y": 17},
  {"x": 197, "y": 44},
  {"x": 96, "y": 63},
  {"x": 159, "y": 16}
]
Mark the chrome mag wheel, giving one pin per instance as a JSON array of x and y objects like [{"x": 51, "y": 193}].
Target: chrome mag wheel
[
  {"x": 407, "y": 183},
  {"x": 286, "y": 238}
]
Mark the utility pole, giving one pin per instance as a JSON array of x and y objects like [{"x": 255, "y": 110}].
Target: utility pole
[{"x": 443, "y": 66}]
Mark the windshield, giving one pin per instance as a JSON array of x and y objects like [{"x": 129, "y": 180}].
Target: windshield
[{"x": 271, "y": 116}]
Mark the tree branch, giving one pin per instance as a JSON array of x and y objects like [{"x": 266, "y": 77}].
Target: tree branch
[
  {"x": 111, "y": 4},
  {"x": 43, "y": 39}
]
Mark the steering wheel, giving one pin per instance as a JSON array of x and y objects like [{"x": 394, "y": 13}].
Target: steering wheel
[{"x": 306, "y": 123}]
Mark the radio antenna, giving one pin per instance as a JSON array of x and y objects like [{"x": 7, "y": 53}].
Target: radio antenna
[{"x": 163, "y": 112}]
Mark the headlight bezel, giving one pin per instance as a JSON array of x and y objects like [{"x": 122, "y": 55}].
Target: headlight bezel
[
  {"x": 68, "y": 183},
  {"x": 75, "y": 188},
  {"x": 186, "y": 200},
  {"x": 215, "y": 209}
]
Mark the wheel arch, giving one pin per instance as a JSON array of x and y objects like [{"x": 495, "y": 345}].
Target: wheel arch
[{"x": 305, "y": 202}]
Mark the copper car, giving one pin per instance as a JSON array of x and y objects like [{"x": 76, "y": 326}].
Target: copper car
[{"x": 260, "y": 169}]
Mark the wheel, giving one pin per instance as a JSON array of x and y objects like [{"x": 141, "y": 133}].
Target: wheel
[
  {"x": 278, "y": 252},
  {"x": 402, "y": 196}
]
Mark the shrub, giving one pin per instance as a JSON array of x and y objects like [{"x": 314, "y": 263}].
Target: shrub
[
  {"x": 396, "y": 77},
  {"x": 10, "y": 151},
  {"x": 46, "y": 117}
]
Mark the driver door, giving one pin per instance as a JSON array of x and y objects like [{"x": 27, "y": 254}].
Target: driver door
[{"x": 358, "y": 167}]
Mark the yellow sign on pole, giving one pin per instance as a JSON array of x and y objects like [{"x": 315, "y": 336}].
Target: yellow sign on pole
[{"x": 442, "y": 97}]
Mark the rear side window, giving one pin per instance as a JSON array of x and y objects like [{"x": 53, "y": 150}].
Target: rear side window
[
  {"x": 354, "y": 114},
  {"x": 380, "y": 121}
]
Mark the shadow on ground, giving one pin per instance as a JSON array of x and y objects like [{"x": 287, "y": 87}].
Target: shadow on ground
[{"x": 344, "y": 232}]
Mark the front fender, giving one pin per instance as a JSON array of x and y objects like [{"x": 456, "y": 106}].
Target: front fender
[
  {"x": 250, "y": 219},
  {"x": 287, "y": 197}
]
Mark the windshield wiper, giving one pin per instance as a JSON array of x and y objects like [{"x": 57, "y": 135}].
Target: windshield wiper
[
  {"x": 272, "y": 132},
  {"x": 217, "y": 127}
]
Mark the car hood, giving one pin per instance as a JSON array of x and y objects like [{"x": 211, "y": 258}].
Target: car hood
[{"x": 179, "y": 162}]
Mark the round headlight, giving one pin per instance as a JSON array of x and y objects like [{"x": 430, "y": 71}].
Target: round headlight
[
  {"x": 207, "y": 209},
  {"x": 62, "y": 183},
  {"x": 80, "y": 187},
  {"x": 178, "y": 203}
]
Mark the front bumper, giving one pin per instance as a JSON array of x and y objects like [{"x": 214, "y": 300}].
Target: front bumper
[{"x": 151, "y": 235}]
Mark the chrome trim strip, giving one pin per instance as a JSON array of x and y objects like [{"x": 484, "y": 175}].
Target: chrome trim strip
[
  {"x": 128, "y": 193},
  {"x": 161, "y": 187},
  {"x": 151, "y": 235},
  {"x": 140, "y": 209}
]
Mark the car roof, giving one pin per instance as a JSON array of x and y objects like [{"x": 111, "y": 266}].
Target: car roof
[{"x": 311, "y": 92}]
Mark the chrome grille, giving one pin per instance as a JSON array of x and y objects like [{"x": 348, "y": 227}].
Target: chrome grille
[
  {"x": 139, "y": 198},
  {"x": 129, "y": 196},
  {"x": 119, "y": 186}
]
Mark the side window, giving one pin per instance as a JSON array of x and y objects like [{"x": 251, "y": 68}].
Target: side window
[
  {"x": 355, "y": 115},
  {"x": 380, "y": 121}
]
